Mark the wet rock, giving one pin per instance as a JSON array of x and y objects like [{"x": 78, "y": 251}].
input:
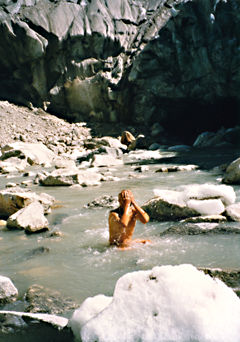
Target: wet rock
[
  {"x": 223, "y": 137},
  {"x": 231, "y": 277},
  {"x": 232, "y": 174},
  {"x": 103, "y": 202},
  {"x": 209, "y": 218},
  {"x": 44, "y": 300},
  {"x": 200, "y": 229},
  {"x": 141, "y": 168},
  {"x": 13, "y": 199},
  {"x": 163, "y": 209},
  {"x": 68, "y": 177},
  {"x": 38, "y": 251},
  {"x": 177, "y": 168},
  {"x": 180, "y": 148},
  {"x": 233, "y": 212},
  {"x": 31, "y": 219},
  {"x": 8, "y": 292}
]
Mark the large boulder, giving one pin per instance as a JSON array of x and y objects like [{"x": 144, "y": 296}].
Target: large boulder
[
  {"x": 191, "y": 200},
  {"x": 167, "y": 303},
  {"x": 68, "y": 177},
  {"x": 232, "y": 174},
  {"x": 8, "y": 292},
  {"x": 34, "y": 153},
  {"x": 30, "y": 218},
  {"x": 13, "y": 199}
]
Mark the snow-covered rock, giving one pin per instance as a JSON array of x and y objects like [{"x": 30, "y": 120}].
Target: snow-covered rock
[
  {"x": 168, "y": 303},
  {"x": 191, "y": 200}
]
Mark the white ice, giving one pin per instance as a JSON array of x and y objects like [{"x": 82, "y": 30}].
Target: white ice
[{"x": 167, "y": 303}]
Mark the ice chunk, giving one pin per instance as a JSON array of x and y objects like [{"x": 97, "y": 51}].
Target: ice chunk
[
  {"x": 168, "y": 303},
  {"x": 207, "y": 207},
  {"x": 203, "y": 191}
]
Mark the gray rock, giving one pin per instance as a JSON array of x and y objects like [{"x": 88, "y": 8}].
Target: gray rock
[
  {"x": 34, "y": 153},
  {"x": 31, "y": 219},
  {"x": 44, "y": 300},
  {"x": 13, "y": 199},
  {"x": 163, "y": 210},
  {"x": 68, "y": 177},
  {"x": 232, "y": 174},
  {"x": 204, "y": 228},
  {"x": 103, "y": 202},
  {"x": 99, "y": 160},
  {"x": 209, "y": 218},
  {"x": 8, "y": 292},
  {"x": 233, "y": 212}
]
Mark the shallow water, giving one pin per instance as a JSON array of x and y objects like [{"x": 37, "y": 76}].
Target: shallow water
[{"x": 80, "y": 264}]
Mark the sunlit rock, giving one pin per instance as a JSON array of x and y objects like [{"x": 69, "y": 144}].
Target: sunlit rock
[
  {"x": 31, "y": 219},
  {"x": 233, "y": 212},
  {"x": 8, "y": 292},
  {"x": 34, "y": 153},
  {"x": 68, "y": 177},
  {"x": 13, "y": 199},
  {"x": 168, "y": 303}
]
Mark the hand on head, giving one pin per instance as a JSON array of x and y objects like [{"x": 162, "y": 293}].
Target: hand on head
[{"x": 125, "y": 197}]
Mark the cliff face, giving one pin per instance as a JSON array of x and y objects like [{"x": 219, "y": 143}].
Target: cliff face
[{"x": 139, "y": 61}]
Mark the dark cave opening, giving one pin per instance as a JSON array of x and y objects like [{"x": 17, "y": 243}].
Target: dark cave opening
[{"x": 186, "y": 119}]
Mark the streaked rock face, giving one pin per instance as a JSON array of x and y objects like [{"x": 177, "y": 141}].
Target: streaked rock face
[{"x": 166, "y": 62}]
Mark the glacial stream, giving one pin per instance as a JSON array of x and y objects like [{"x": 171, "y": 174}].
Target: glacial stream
[{"x": 80, "y": 263}]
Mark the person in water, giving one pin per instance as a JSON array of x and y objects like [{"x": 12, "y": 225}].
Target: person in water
[{"x": 122, "y": 220}]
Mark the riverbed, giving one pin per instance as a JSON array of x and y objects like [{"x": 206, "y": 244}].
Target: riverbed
[{"x": 80, "y": 263}]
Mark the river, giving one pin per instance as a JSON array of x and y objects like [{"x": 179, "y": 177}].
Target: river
[{"x": 81, "y": 264}]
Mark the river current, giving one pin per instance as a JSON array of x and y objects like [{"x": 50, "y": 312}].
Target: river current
[{"x": 81, "y": 264}]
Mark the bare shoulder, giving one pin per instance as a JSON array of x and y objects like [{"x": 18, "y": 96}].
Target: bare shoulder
[{"x": 113, "y": 216}]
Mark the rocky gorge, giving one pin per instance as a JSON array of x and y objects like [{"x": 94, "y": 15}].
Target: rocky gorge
[
  {"x": 40, "y": 151},
  {"x": 158, "y": 65},
  {"x": 97, "y": 96}
]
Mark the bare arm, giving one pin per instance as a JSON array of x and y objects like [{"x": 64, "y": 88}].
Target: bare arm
[{"x": 141, "y": 214}]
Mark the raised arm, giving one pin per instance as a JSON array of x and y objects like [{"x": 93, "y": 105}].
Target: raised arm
[{"x": 141, "y": 214}]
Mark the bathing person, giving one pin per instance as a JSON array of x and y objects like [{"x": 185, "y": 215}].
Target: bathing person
[{"x": 122, "y": 220}]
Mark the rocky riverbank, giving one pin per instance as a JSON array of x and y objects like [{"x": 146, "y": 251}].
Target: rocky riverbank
[{"x": 42, "y": 150}]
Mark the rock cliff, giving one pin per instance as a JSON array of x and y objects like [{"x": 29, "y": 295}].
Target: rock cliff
[{"x": 165, "y": 62}]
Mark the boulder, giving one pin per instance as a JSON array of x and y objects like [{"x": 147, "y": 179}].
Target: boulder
[
  {"x": 103, "y": 202},
  {"x": 100, "y": 160},
  {"x": 68, "y": 177},
  {"x": 167, "y": 303},
  {"x": 202, "y": 228},
  {"x": 34, "y": 153},
  {"x": 208, "y": 218},
  {"x": 192, "y": 200},
  {"x": 44, "y": 300},
  {"x": 233, "y": 212},
  {"x": 13, "y": 165},
  {"x": 168, "y": 208},
  {"x": 31, "y": 219},
  {"x": 232, "y": 174},
  {"x": 13, "y": 199},
  {"x": 8, "y": 292}
]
